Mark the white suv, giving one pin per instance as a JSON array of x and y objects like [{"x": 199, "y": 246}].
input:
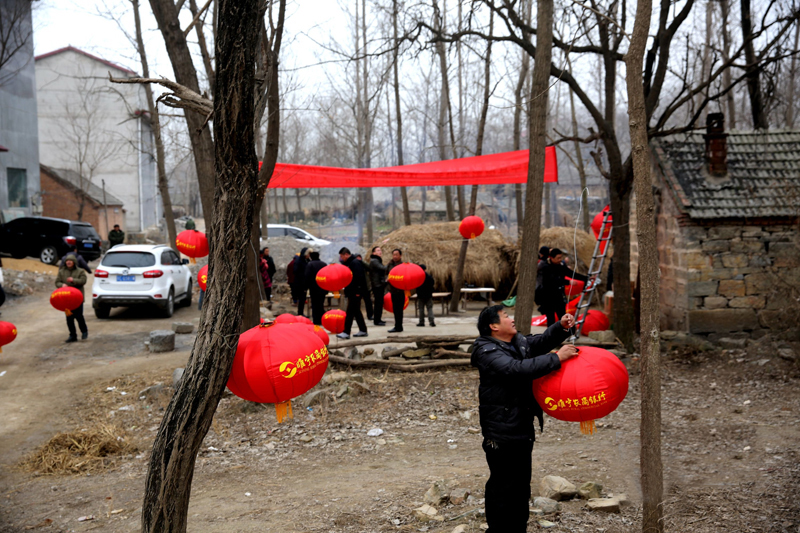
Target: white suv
[
  {"x": 141, "y": 274},
  {"x": 282, "y": 230}
]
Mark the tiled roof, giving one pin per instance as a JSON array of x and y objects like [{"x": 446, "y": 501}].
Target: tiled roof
[
  {"x": 72, "y": 179},
  {"x": 763, "y": 178}
]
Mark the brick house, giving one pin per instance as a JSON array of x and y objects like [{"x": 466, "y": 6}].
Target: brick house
[
  {"x": 727, "y": 219},
  {"x": 61, "y": 198}
]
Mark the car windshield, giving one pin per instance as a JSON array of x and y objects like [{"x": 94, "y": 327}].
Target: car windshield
[
  {"x": 129, "y": 259},
  {"x": 83, "y": 232}
]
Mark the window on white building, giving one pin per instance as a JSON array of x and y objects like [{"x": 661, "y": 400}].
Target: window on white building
[{"x": 17, "y": 180}]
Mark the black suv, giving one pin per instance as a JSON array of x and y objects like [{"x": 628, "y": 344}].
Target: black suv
[{"x": 48, "y": 238}]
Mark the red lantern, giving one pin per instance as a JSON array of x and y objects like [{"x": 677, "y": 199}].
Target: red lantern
[
  {"x": 572, "y": 305},
  {"x": 202, "y": 277},
  {"x": 334, "y": 278},
  {"x": 8, "y": 332},
  {"x": 333, "y": 321},
  {"x": 192, "y": 243},
  {"x": 406, "y": 277},
  {"x": 288, "y": 318},
  {"x": 587, "y": 387},
  {"x": 597, "y": 225},
  {"x": 573, "y": 288},
  {"x": 275, "y": 363},
  {"x": 66, "y": 299},
  {"x": 387, "y": 302},
  {"x": 320, "y": 332},
  {"x": 540, "y": 321},
  {"x": 471, "y": 227},
  {"x": 595, "y": 321}
]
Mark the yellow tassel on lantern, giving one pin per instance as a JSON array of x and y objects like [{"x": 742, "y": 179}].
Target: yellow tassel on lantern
[
  {"x": 192, "y": 260},
  {"x": 336, "y": 294},
  {"x": 408, "y": 294},
  {"x": 68, "y": 312},
  {"x": 588, "y": 427},
  {"x": 283, "y": 410}
]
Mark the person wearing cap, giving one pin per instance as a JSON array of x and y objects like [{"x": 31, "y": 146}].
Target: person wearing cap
[
  {"x": 81, "y": 261},
  {"x": 115, "y": 236},
  {"x": 550, "y": 282},
  {"x": 73, "y": 276}
]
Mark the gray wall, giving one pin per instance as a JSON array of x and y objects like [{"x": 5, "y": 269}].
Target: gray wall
[{"x": 19, "y": 131}]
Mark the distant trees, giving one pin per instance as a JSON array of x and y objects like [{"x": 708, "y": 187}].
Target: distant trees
[{"x": 15, "y": 37}]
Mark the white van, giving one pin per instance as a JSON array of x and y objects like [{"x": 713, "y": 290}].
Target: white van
[{"x": 282, "y": 230}]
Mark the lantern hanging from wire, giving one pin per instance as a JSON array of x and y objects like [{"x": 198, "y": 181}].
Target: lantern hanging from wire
[
  {"x": 471, "y": 227},
  {"x": 585, "y": 388},
  {"x": 333, "y": 320}
]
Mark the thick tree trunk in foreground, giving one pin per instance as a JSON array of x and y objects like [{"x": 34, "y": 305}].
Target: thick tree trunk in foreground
[
  {"x": 518, "y": 109},
  {"x": 155, "y": 124},
  {"x": 166, "y": 15},
  {"x": 190, "y": 412},
  {"x": 537, "y": 121},
  {"x": 652, "y": 473}
]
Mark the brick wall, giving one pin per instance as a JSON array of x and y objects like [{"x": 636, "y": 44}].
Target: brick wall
[{"x": 59, "y": 201}]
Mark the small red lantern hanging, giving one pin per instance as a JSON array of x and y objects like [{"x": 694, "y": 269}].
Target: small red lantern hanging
[
  {"x": 202, "y": 278},
  {"x": 8, "y": 332},
  {"x": 597, "y": 225},
  {"x": 288, "y": 318},
  {"x": 587, "y": 387},
  {"x": 66, "y": 299},
  {"x": 192, "y": 243},
  {"x": 334, "y": 278},
  {"x": 471, "y": 227},
  {"x": 573, "y": 288},
  {"x": 387, "y": 302},
  {"x": 406, "y": 277},
  {"x": 275, "y": 363},
  {"x": 333, "y": 320}
]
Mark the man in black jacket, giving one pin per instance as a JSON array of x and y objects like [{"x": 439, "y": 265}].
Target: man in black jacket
[
  {"x": 300, "y": 278},
  {"x": 550, "y": 282},
  {"x": 377, "y": 275},
  {"x": 425, "y": 299},
  {"x": 354, "y": 292},
  {"x": 317, "y": 293},
  {"x": 398, "y": 295},
  {"x": 508, "y": 363}
]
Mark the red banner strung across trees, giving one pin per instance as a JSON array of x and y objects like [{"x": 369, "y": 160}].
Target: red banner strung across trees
[{"x": 508, "y": 167}]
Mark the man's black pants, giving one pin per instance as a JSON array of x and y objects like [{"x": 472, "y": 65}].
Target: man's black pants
[
  {"x": 377, "y": 294},
  {"x": 317, "y": 306},
  {"x": 508, "y": 490},
  {"x": 554, "y": 310},
  {"x": 77, "y": 314},
  {"x": 301, "y": 300},
  {"x": 398, "y": 300},
  {"x": 354, "y": 312}
]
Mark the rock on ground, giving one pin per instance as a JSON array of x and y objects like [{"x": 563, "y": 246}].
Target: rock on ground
[
  {"x": 547, "y": 505},
  {"x": 590, "y": 490},
  {"x": 182, "y": 327},
  {"x": 437, "y": 494},
  {"x": 459, "y": 496},
  {"x": 162, "y": 340},
  {"x": 557, "y": 488},
  {"x": 427, "y": 513},
  {"x": 606, "y": 505}
]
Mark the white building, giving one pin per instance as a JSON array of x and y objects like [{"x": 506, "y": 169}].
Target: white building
[{"x": 98, "y": 129}]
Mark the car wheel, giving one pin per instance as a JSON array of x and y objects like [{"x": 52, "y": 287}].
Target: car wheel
[
  {"x": 187, "y": 300},
  {"x": 102, "y": 312},
  {"x": 49, "y": 255},
  {"x": 170, "y": 307}
]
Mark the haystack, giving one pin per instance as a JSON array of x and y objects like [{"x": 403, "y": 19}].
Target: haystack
[
  {"x": 567, "y": 240},
  {"x": 77, "y": 452},
  {"x": 491, "y": 259}
]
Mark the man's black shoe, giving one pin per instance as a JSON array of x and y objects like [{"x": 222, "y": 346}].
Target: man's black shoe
[
  {"x": 84, "y": 335},
  {"x": 420, "y": 325},
  {"x": 72, "y": 338},
  {"x": 433, "y": 325},
  {"x": 381, "y": 323},
  {"x": 395, "y": 330},
  {"x": 360, "y": 334}
]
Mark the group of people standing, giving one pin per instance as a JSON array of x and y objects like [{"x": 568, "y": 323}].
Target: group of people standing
[{"x": 369, "y": 285}]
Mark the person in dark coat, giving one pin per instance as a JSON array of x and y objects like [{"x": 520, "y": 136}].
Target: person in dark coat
[
  {"x": 377, "y": 277},
  {"x": 550, "y": 282},
  {"x": 81, "y": 261},
  {"x": 425, "y": 299},
  {"x": 290, "y": 277},
  {"x": 354, "y": 292},
  {"x": 398, "y": 295},
  {"x": 316, "y": 292},
  {"x": 116, "y": 236},
  {"x": 71, "y": 275},
  {"x": 367, "y": 299},
  {"x": 507, "y": 363},
  {"x": 270, "y": 270},
  {"x": 300, "y": 279}
]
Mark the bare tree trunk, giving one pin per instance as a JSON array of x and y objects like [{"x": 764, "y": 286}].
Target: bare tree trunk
[
  {"x": 537, "y": 124},
  {"x": 726, "y": 75},
  {"x": 792, "y": 78},
  {"x": 760, "y": 121},
  {"x": 399, "y": 113},
  {"x": 155, "y": 124},
  {"x": 201, "y": 41},
  {"x": 518, "y": 110},
  {"x": 652, "y": 473},
  {"x": 191, "y": 409},
  {"x": 443, "y": 108},
  {"x": 368, "y": 197},
  {"x": 579, "y": 161},
  {"x": 462, "y": 253},
  {"x": 166, "y": 15}
]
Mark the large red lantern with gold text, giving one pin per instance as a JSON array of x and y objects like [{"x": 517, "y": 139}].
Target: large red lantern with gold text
[
  {"x": 192, "y": 243},
  {"x": 406, "y": 277},
  {"x": 597, "y": 225},
  {"x": 202, "y": 278},
  {"x": 8, "y": 332},
  {"x": 471, "y": 227},
  {"x": 333, "y": 320},
  {"x": 334, "y": 278},
  {"x": 587, "y": 387},
  {"x": 66, "y": 299},
  {"x": 288, "y": 318},
  {"x": 387, "y": 302},
  {"x": 275, "y": 363}
]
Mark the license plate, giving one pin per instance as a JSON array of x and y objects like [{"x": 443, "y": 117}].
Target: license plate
[
  {"x": 88, "y": 244},
  {"x": 126, "y": 278}
]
